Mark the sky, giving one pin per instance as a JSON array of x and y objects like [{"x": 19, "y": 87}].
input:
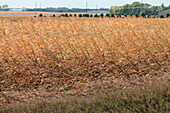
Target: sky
[{"x": 76, "y": 3}]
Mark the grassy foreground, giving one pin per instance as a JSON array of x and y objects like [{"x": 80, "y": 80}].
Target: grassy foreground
[{"x": 151, "y": 99}]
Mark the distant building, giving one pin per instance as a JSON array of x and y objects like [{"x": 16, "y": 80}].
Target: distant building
[
  {"x": 17, "y": 9},
  {"x": 164, "y": 13}
]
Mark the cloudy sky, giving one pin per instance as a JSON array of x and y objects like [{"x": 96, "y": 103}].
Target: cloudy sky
[{"x": 75, "y": 3}]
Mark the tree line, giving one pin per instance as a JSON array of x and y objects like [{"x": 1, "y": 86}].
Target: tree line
[
  {"x": 102, "y": 15},
  {"x": 82, "y": 15},
  {"x": 137, "y": 8},
  {"x": 4, "y": 6},
  {"x": 65, "y": 9}
]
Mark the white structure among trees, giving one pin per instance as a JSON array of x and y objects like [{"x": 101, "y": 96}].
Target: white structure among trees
[{"x": 164, "y": 13}]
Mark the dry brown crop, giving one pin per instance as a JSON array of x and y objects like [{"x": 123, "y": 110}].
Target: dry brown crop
[{"x": 73, "y": 53}]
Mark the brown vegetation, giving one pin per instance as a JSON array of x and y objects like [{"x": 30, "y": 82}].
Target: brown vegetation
[{"x": 71, "y": 54}]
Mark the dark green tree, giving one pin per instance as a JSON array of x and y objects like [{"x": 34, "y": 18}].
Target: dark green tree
[
  {"x": 107, "y": 15},
  {"x": 66, "y": 15},
  {"x": 102, "y": 15},
  {"x": 136, "y": 15},
  {"x": 40, "y": 15},
  {"x": 70, "y": 15},
  {"x": 163, "y": 6},
  {"x": 80, "y": 15},
  {"x": 119, "y": 16},
  {"x": 148, "y": 16},
  {"x": 112, "y": 15},
  {"x": 143, "y": 14},
  {"x": 91, "y": 15},
  {"x": 130, "y": 14},
  {"x": 96, "y": 15},
  {"x": 85, "y": 15},
  {"x": 161, "y": 16},
  {"x": 62, "y": 15}
]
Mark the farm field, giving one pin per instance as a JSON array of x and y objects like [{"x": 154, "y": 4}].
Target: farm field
[
  {"x": 42, "y": 58},
  {"x": 32, "y": 13},
  {"x": 25, "y": 13}
]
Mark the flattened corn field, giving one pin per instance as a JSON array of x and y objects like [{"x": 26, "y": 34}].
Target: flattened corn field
[{"x": 78, "y": 55}]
